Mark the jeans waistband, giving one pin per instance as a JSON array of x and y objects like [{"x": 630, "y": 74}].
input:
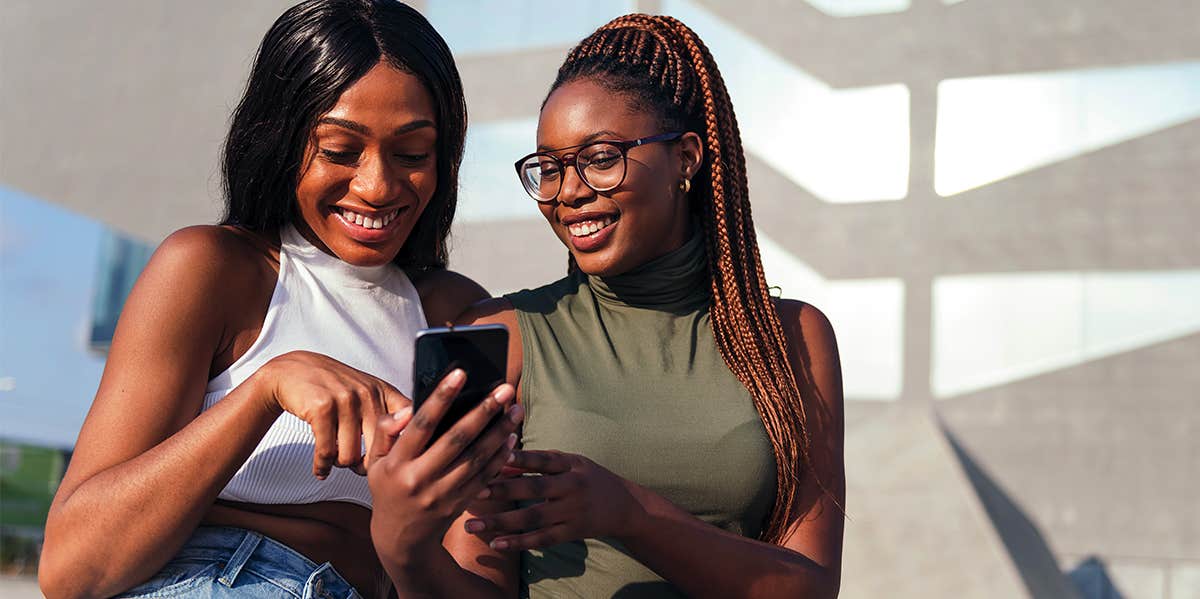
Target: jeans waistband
[{"x": 237, "y": 548}]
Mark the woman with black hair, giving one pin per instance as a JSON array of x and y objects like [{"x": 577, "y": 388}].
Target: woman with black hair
[
  {"x": 223, "y": 453},
  {"x": 683, "y": 430}
]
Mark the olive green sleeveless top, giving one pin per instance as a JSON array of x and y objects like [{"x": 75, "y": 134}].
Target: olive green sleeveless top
[{"x": 625, "y": 371}]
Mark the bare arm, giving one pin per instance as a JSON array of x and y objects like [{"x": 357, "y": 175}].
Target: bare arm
[
  {"x": 141, "y": 475},
  {"x": 146, "y": 467},
  {"x": 446, "y": 294}
]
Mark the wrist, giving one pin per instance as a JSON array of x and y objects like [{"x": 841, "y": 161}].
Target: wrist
[
  {"x": 637, "y": 519},
  {"x": 429, "y": 574},
  {"x": 406, "y": 560},
  {"x": 261, "y": 389},
  {"x": 404, "y": 545}
]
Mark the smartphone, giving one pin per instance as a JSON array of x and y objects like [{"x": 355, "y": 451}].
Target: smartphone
[{"x": 480, "y": 350}]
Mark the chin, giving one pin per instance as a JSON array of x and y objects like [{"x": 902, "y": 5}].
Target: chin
[
  {"x": 359, "y": 255},
  {"x": 599, "y": 264}
]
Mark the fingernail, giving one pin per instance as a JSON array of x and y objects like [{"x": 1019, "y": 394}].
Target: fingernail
[
  {"x": 499, "y": 544},
  {"x": 474, "y": 525},
  {"x": 503, "y": 393},
  {"x": 516, "y": 413},
  {"x": 457, "y": 376},
  {"x": 404, "y": 412},
  {"x": 512, "y": 441},
  {"x": 484, "y": 494},
  {"x": 512, "y": 457}
]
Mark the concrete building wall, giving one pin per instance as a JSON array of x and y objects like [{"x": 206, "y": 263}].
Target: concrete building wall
[{"x": 994, "y": 202}]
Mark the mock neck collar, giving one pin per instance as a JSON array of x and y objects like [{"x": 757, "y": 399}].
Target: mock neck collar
[
  {"x": 330, "y": 269},
  {"x": 675, "y": 281}
]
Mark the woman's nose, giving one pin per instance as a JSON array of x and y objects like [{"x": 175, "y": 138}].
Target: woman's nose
[
  {"x": 574, "y": 190},
  {"x": 375, "y": 181}
]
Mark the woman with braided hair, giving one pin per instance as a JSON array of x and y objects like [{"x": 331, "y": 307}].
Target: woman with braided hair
[{"x": 683, "y": 428}]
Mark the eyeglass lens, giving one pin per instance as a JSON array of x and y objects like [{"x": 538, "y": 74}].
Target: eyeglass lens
[{"x": 600, "y": 165}]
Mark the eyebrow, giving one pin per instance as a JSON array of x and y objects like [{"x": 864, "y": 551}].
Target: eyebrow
[
  {"x": 587, "y": 140},
  {"x": 365, "y": 130}
]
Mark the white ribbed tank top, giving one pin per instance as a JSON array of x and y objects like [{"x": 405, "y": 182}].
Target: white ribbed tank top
[{"x": 364, "y": 317}]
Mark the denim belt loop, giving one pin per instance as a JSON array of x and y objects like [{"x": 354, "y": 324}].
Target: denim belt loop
[
  {"x": 240, "y": 557},
  {"x": 324, "y": 582}
]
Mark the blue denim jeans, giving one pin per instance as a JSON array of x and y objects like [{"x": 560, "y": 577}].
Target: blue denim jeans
[{"x": 220, "y": 562}]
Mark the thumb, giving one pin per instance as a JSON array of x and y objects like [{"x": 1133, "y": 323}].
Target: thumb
[
  {"x": 394, "y": 400},
  {"x": 387, "y": 429}
]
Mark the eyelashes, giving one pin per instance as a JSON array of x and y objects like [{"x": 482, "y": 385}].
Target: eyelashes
[
  {"x": 339, "y": 157},
  {"x": 350, "y": 158},
  {"x": 413, "y": 159}
]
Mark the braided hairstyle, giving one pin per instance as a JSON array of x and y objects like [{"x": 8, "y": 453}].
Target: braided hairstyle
[{"x": 661, "y": 66}]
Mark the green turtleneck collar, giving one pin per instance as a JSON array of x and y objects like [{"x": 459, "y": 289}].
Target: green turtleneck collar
[{"x": 677, "y": 280}]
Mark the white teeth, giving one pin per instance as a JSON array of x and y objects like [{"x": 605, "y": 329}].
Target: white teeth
[
  {"x": 369, "y": 222},
  {"x": 589, "y": 227}
]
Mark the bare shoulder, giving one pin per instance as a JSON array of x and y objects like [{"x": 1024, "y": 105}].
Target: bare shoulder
[
  {"x": 196, "y": 285},
  {"x": 499, "y": 310},
  {"x": 493, "y": 310},
  {"x": 212, "y": 251},
  {"x": 204, "y": 288},
  {"x": 807, "y": 327},
  {"x": 446, "y": 294},
  {"x": 813, "y": 351}
]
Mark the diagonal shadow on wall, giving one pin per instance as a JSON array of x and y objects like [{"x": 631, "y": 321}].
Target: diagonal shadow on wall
[{"x": 1022, "y": 539}]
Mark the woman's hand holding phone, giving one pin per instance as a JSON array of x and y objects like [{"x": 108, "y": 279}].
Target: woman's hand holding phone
[
  {"x": 419, "y": 487},
  {"x": 575, "y": 497},
  {"x": 340, "y": 403}
]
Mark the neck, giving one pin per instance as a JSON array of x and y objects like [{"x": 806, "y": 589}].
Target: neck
[{"x": 310, "y": 236}]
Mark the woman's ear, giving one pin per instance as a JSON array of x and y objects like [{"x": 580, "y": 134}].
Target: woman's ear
[{"x": 691, "y": 154}]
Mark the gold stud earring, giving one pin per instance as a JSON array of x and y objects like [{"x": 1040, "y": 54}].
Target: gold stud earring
[{"x": 685, "y": 185}]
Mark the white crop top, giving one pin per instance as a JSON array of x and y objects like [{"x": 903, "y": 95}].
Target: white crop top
[{"x": 364, "y": 317}]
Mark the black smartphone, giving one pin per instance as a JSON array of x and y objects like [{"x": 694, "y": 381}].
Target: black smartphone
[{"x": 480, "y": 350}]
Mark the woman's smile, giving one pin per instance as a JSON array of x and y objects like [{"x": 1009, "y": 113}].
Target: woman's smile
[
  {"x": 369, "y": 226},
  {"x": 590, "y": 232}
]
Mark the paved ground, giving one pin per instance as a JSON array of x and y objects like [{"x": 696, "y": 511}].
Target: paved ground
[{"x": 14, "y": 587}]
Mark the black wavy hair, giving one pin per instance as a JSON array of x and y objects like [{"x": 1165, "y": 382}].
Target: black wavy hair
[{"x": 311, "y": 54}]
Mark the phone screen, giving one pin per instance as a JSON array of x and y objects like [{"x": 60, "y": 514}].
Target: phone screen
[{"x": 481, "y": 351}]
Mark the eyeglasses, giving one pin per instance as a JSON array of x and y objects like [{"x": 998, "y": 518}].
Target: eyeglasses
[{"x": 601, "y": 165}]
